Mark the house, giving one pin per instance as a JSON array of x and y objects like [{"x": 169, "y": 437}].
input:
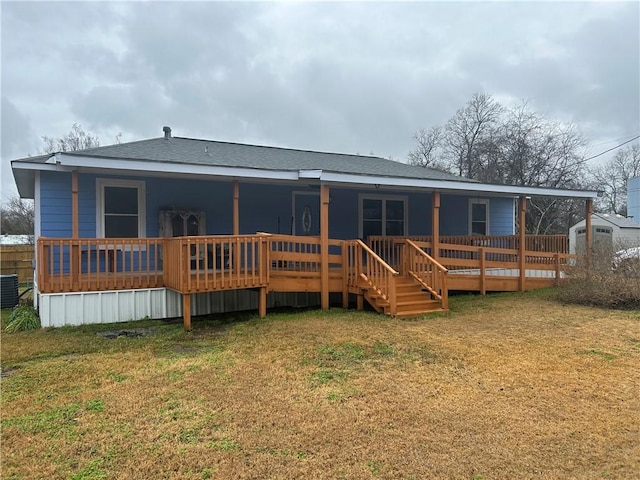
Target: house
[
  {"x": 610, "y": 230},
  {"x": 174, "y": 226}
]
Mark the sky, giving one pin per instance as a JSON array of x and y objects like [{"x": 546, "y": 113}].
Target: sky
[{"x": 342, "y": 77}]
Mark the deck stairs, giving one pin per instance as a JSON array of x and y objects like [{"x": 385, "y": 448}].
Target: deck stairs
[{"x": 412, "y": 300}]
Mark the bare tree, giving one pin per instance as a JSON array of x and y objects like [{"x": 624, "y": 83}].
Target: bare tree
[
  {"x": 487, "y": 142},
  {"x": 467, "y": 134},
  {"x": 17, "y": 217},
  {"x": 76, "y": 139},
  {"x": 428, "y": 153},
  {"x": 611, "y": 178}
]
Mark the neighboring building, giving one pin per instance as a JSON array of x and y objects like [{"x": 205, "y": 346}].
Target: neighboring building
[
  {"x": 610, "y": 230},
  {"x": 107, "y": 218}
]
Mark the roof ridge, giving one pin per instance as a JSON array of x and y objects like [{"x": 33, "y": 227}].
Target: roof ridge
[{"x": 303, "y": 150}]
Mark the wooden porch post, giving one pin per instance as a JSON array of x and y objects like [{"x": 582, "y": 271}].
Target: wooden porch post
[
  {"x": 435, "y": 226},
  {"x": 74, "y": 205},
  {"x": 236, "y": 207},
  {"x": 587, "y": 238},
  {"x": 75, "y": 231},
  {"x": 522, "y": 210},
  {"x": 186, "y": 311},
  {"x": 324, "y": 246}
]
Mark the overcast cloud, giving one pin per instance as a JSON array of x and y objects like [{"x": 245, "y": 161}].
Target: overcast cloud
[{"x": 343, "y": 77}]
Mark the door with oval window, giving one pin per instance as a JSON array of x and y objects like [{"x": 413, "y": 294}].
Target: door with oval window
[{"x": 306, "y": 213}]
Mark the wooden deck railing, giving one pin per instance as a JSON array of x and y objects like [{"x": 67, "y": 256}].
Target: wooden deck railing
[
  {"x": 301, "y": 254},
  {"x": 364, "y": 265},
  {"x": 94, "y": 264},
  {"x": 426, "y": 271},
  {"x": 208, "y": 263},
  {"x": 507, "y": 246}
]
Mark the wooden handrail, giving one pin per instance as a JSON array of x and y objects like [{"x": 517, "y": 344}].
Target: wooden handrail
[
  {"x": 419, "y": 251},
  {"x": 376, "y": 257},
  {"x": 370, "y": 273},
  {"x": 429, "y": 273}
]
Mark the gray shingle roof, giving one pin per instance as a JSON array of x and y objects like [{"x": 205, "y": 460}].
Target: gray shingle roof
[
  {"x": 226, "y": 154},
  {"x": 617, "y": 220}
]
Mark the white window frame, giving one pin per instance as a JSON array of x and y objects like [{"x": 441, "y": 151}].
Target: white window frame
[
  {"x": 478, "y": 201},
  {"x": 375, "y": 196},
  {"x": 101, "y": 183}
]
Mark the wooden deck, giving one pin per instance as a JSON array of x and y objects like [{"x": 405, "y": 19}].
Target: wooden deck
[{"x": 396, "y": 275}]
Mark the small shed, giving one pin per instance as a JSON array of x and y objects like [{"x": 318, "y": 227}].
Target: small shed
[{"x": 608, "y": 230}]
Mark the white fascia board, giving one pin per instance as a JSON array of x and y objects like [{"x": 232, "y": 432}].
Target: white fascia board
[
  {"x": 18, "y": 165},
  {"x": 454, "y": 186},
  {"x": 175, "y": 168}
]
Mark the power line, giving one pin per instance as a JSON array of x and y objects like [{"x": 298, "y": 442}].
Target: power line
[{"x": 612, "y": 148}]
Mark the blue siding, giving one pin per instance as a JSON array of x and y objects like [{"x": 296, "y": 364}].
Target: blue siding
[
  {"x": 263, "y": 207},
  {"x": 55, "y": 204},
  {"x": 501, "y": 216}
]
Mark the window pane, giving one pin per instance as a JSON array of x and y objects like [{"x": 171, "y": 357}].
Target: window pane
[
  {"x": 371, "y": 227},
  {"x": 121, "y": 200},
  {"x": 116, "y": 226},
  {"x": 478, "y": 212},
  {"x": 478, "y": 228},
  {"x": 371, "y": 209},
  {"x": 395, "y": 210},
  {"x": 395, "y": 227}
]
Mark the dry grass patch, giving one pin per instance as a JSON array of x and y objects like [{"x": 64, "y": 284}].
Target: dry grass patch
[{"x": 509, "y": 386}]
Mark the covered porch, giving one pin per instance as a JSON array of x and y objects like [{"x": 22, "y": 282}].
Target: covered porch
[{"x": 402, "y": 275}]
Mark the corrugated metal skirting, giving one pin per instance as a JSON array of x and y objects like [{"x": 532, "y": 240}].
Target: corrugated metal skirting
[{"x": 60, "y": 309}]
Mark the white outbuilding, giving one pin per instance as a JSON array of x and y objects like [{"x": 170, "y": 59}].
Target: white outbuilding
[{"x": 610, "y": 230}]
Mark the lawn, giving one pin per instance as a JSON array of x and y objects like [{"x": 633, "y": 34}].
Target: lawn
[{"x": 505, "y": 386}]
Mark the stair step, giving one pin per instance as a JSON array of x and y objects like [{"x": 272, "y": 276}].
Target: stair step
[
  {"x": 417, "y": 313},
  {"x": 413, "y": 294},
  {"x": 425, "y": 302}
]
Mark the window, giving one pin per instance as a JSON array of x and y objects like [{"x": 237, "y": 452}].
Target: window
[
  {"x": 382, "y": 215},
  {"x": 121, "y": 209},
  {"x": 478, "y": 217}
]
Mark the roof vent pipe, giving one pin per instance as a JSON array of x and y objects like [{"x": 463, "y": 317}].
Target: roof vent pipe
[{"x": 167, "y": 132}]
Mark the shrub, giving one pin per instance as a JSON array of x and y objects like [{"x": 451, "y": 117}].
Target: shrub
[
  {"x": 23, "y": 317},
  {"x": 608, "y": 283}
]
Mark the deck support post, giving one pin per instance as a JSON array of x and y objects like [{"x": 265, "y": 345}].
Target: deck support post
[
  {"x": 324, "y": 246},
  {"x": 435, "y": 226},
  {"x": 262, "y": 302},
  {"x": 588, "y": 237},
  {"x": 75, "y": 231},
  {"x": 360, "y": 301},
  {"x": 522, "y": 218},
  {"x": 345, "y": 274},
  {"x": 186, "y": 311}
]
